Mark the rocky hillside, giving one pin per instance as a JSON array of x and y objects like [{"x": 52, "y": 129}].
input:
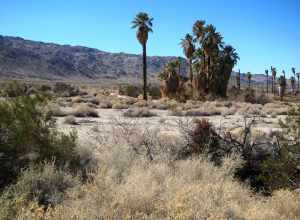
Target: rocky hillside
[{"x": 23, "y": 59}]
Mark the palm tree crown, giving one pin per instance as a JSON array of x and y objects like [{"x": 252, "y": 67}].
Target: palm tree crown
[
  {"x": 199, "y": 30},
  {"x": 231, "y": 54},
  {"x": 143, "y": 23},
  {"x": 188, "y": 46}
]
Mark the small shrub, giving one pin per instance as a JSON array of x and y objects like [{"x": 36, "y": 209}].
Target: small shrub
[
  {"x": 70, "y": 120},
  {"x": 154, "y": 92},
  {"x": 252, "y": 97},
  {"x": 130, "y": 90},
  {"x": 66, "y": 90},
  {"x": 105, "y": 104},
  {"x": 209, "y": 111},
  {"x": 119, "y": 105},
  {"x": 43, "y": 183},
  {"x": 14, "y": 89},
  {"x": 139, "y": 112},
  {"x": 249, "y": 96},
  {"x": 85, "y": 111},
  {"x": 55, "y": 110}
]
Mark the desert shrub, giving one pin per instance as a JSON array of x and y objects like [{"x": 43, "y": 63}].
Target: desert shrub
[
  {"x": 275, "y": 109},
  {"x": 85, "y": 111},
  {"x": 252, "y": 97},
  {"x": 77, "y": 99},
  {"x": 142, "y": 103},
  {"x": 105, "y": 104},
  {"x": 203, "y": 140},
  {"x": 43, "y": 183},
  {"x": 154, "y": 91},
  {"x": 66, "y": 90},
  {"x": 119, "y": 105},
  {"x": 249, "y": 96},
  {"x": 27, "y": 135},
  {"x": 208, "y": 111},
  {"x": 70, "y": 120},
  {"x": 14, "y": 89},
  {"x": 130, "y": 90},
  {"x": 139, "y": 112},
  {"x": 56, "y": 111}
]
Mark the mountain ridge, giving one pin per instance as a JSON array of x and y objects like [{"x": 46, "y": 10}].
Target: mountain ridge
[
  {"x": 26, "y": 59},
  {"x": 21, "y": 58}
]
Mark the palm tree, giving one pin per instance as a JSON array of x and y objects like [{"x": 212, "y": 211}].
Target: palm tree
[
  {"x": 282, "y": 86},
  {"x": 249, "y": 76},
  {"x": 294, "y": 71},
  {"x": 274, "y": 73},
  {"x": 238, "y": 80},
  {"x": 298, "y": 77},
  {"x": 143, "y": 23},
  {"x": 199, "y": 33},
  {"x": 293, "y": 82},
  {"x": 267, "y": 74},
  {"x": 188, "y": 49},
  {"x": 283, "y": 72}
]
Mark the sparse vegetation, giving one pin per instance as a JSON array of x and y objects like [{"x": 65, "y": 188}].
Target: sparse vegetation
[
  {"x": 138, "y": 112},
  {"x": 83, "y": 110}
]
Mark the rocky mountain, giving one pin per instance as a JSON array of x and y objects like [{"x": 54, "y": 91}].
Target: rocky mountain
[
  {"x": 23, "y": 59},
  {"x": 26, "y": 59}
]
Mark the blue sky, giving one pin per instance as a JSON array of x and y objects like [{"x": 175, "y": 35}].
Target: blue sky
[{"x": 264, "y": 32}]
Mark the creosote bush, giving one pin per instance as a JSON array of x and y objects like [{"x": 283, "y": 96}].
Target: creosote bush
[
  {"x": 14, "y": 89},
  {"x": 44, "y": 183},
  {"x": 27, "y": 135}
]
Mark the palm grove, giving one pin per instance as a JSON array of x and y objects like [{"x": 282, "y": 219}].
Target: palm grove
[{"x": 210, "y": 60}]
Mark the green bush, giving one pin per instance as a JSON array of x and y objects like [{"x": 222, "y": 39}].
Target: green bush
[
  {"x": 154, "y": 92},
  {"x": 14, "y": 89},
  {"x": 27, "y": 135},
  {"x": 43, "y": 183},
  {"x": 252, "y": 97},
  {"x": 267, "y": 166},
  {"x": 130, "y": 90}
]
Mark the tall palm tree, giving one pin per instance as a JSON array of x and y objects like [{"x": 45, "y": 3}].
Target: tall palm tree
[
  {"x": 238, "y": 80},
  {"x": 294, "y": 71},
  {"x": 143, "y": 23},
  {"x": 298, "y": 77},
  {"x": 267, "y": 74},
  {"x": 212, "y": 41},
  {"x": 282, "y": 87},
  {"x": 283, "y": 72},
  {"x": 249, "y": 76},
  {"x": 199, "y": 30},
  {"x": 188, "y": 49},
  {"x": 274, "y": 73},
  {"x": 293, "y": 83},
  {"x": 199, "y": 33}
]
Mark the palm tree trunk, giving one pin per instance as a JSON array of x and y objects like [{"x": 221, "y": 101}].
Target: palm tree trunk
[
  {"x": 145, "y": 72},
  {"x": 298, "y": 84},
  {"x": 191, "y": 70},
  {"x": 272, "y": 84},
  {"x": 267, "y": 84}
]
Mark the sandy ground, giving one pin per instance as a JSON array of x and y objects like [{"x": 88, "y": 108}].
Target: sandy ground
[{"x": 88, "y": 128}]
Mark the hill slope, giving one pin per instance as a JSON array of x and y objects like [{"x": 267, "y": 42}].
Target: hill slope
[{"x": 21, "y": 59}]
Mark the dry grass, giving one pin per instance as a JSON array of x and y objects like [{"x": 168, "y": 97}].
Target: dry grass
[
  {"x": 130, "y": 186},
  {"x": 275, "y": 109}
]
